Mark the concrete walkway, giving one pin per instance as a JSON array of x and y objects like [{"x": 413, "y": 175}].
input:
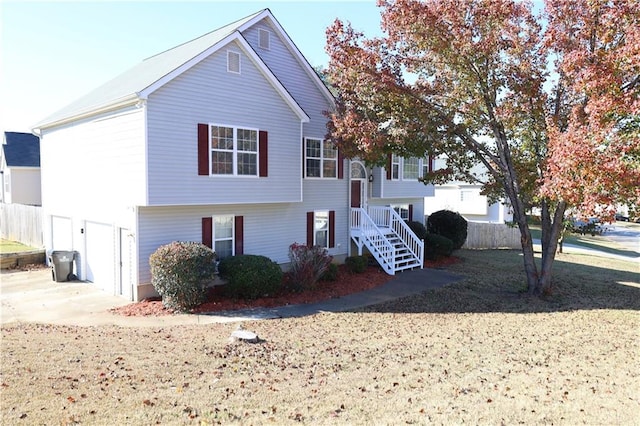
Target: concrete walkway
[{"x": 33, "y": 297}]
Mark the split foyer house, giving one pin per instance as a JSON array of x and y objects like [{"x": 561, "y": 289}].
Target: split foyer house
[
  {"x": 218, "y": 140},
  {"x": 20, "y": 169}
]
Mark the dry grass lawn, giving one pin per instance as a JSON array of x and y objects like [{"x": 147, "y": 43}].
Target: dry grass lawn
[{"x": 475, "y": 352}]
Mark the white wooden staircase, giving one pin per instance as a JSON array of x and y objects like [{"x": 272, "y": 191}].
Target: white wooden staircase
[{"x": 387, "y": 237}]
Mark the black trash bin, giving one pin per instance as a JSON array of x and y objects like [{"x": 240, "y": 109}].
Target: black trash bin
[{"x": 62, "y": 265}]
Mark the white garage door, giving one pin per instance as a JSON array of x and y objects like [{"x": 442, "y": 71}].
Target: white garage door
[
  {"x": 100, "y": 259},
  {"x": 61, "y": 233}
]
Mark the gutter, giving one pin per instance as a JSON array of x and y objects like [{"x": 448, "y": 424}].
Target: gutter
[{"x": 120, "y": 103}]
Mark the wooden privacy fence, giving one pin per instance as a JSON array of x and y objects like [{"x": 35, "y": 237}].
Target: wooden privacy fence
[
  {"x": 491, "y": 236},
  {"x": 22, "y": 223}
]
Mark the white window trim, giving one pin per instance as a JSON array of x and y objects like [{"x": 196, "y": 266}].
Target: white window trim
[
  {"x": 321, "y": 158},
  {"x": 401, "y": 207},
  {"x": 396, "y": 160},
  {"x": 315, "y": 216},
  {"x": 425, "y": 162},
  {"x": 233, "y": 52},
  {"x": 235, "y": 151},
  {"x": 418, "y": 166},
  {"x": 233, "y": 232}
]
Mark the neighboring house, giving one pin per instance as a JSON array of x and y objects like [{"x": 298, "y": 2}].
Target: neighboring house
[
  {"x": 20, "y": 168},
  {"x": 466, "y": 199},
  {"x": 218, "y": 140}
]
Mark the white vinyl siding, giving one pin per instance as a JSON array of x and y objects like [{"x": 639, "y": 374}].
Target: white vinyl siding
[
  {"x": 286, "y": 225},
  {"x": 205, "y": 95},
  {"x": 293, "y": 76},
  {"x": 96, "y": 167}
]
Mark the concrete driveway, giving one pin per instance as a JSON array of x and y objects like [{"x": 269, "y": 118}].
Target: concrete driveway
[{"x": 33, "y": 296}]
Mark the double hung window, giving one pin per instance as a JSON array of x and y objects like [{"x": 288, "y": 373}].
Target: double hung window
[
  {"x": 410, "y": 168},
  {"x": 223, "y": 243},
  {"x": 321, "y": 229},
  {"x": 234, "y": 151},
  {"x": 321, "y": 159}
]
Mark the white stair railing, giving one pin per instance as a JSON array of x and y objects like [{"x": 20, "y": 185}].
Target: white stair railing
[
  {"x": 408, "y": 237},
  {"x": 370, "y": 235}
]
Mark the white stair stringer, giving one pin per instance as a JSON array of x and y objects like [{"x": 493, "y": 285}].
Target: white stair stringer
[{"x": 388, "y": 238}]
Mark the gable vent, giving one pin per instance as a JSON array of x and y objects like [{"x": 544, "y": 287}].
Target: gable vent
[
  {"x": 264, "y": 39},
  {"x": 233, "y": 62}
]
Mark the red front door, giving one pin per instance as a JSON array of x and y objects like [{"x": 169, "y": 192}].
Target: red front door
[{"x": 356, "y": 193}]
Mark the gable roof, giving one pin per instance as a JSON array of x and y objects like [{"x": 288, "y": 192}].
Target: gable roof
[
  {"x": 140, "y": 81},
  {"x": 21, "y": 149}
]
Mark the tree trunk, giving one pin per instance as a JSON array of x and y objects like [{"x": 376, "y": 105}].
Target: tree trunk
[{"x": 539, "y": 281}]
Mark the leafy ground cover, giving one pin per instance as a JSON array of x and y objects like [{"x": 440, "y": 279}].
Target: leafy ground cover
[{"x": 477, "y": 352}]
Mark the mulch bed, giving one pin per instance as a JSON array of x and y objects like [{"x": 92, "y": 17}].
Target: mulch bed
[{"x": 347, "y": 283}]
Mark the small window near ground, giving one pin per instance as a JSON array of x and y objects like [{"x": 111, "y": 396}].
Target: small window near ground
[
  {"x": 321, "y": 229},
  {"x": 402, "y": 210},
  {"x": 223, "y": 236}
]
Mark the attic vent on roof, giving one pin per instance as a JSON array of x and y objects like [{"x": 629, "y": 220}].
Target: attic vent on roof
[
  {"x": 233, "y": 62},
  {"x": 264, "y": 39}
]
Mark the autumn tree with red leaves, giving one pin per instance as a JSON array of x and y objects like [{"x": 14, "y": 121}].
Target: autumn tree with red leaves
[{"x": 548, "y": 104}]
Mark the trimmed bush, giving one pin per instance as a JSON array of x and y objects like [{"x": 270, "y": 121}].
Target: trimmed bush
[
  {"x": 331, "y": 274},
  {"x": 356, "y": 264},
  {"x": 250, "y": 276},
  {"x": 418, "y": 228},
  {"x": 308, "y": 264},
  {"x": 448, "y": 224},
  {"x": 436, "y": 246},
  {"x": 179, "y": 271}
]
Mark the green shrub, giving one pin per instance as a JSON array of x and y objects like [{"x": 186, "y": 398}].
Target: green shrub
[
  {"x": 448, "y": 224},
  {"x": 179, "y": 271},
  {"x": 331, "y": 274},
  {"x": 357, "y": 264},
  {"x": 418, "y": 229},
  {"x": 250, "y": 276},
  {"x": 436, "y": 246},
  {"x": 308, "y": 264}
]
